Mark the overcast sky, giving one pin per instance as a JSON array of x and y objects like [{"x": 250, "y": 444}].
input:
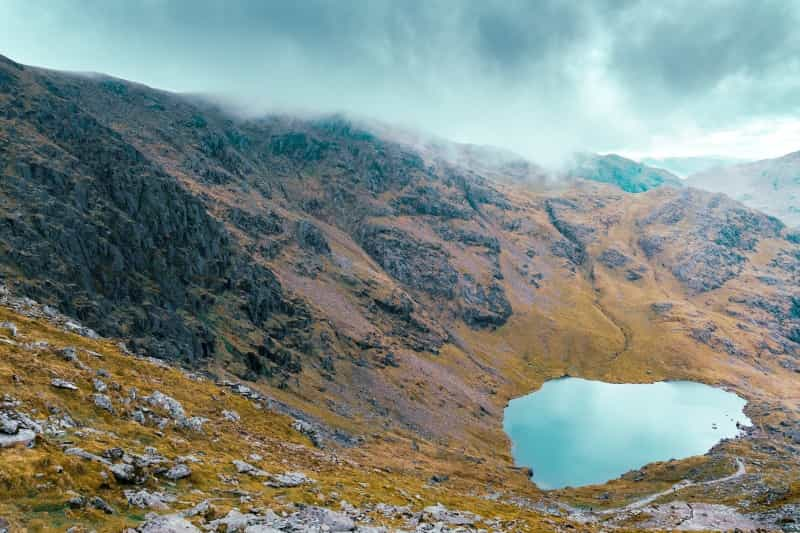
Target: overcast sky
[{"x": 544, "y": 77}]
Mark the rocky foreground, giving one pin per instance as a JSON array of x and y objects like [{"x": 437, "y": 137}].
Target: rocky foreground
[
  {"x": 90, "y": 440},
  {"x": 95, "y": 438}
]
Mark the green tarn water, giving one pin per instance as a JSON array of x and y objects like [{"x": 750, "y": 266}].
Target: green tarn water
[{"x": 576, "y": 432}]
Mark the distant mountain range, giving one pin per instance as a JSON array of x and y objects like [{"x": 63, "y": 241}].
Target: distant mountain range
[
  {"x": 628, "y": 175},
  {"x": 769, "y": 185},
  {"x": 685, "y": 166}
]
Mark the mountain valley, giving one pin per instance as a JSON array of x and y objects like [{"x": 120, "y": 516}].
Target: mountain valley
[{"x": 362, "y": 308}]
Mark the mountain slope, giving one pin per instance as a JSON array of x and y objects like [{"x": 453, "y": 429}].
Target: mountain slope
[
  {"x": 393, "y": 297},
  {"x": 135, "y": 436},
  {"x": 770, "y": 185},
  {"x": 626, "y": 174},
  {"x": 686, "y": 166}
]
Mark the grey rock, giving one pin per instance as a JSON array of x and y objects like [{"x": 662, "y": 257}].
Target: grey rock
[
  {"x": 98, "y": 385},
  {"x": 484, "y": 306},
  {"x": 613, "y": 258},
  {"x": 115, "y": 453},
  {"x": 288, "y": 479},
  {"x": 171, "y": 523},
  {"x": 8, "y": 425},
  {"x": 139, "y": 416},
  {"x": 23, "y": 437},
  {"x": 83, "y": 331},
  {"x": 83, "y": 454},
  {"x": 11, "y": 327},
  {"x": 200, "y": 509},
  {"x": 99, "y": 503},
  {"x": 231, "y": 416},
  {"x": 238, "y": 521},
  {"x": 194, "y": 423},
  {"x": 419, "y": 264},
  {"x": 76, "y": 502},
  {"x": 234, "y": 521},
  {"x": 246, "y": 468},
  {"x": 311, "y": 238},
  {"x": 661, "y": 308},
  {"x": 167, "y": 403},
  {"x": 309, "y": 430},
  {"x": 651, "y": 245},
  {"x": 178, "y": 472},
  {"x": 440, "y": 513},
  {"x": 69, "y": 354},
  {"x": 103, "y": 402},
  {"x": 63, "y": 384},
  {"x": 319, "y": 519},
  {"x": 124, "y": 473},
  {"x": 425, "y": 200},
  {"x": 335, "y": 521},
  {"x": 149, "y": 500}
]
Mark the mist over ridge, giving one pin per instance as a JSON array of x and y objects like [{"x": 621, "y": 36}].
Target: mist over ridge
[{"x": 544, "y": 79}]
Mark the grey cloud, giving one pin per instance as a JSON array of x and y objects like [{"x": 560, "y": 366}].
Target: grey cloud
[
  {"x": 543, "y": 77},
  {"x": 697, "y": 46}
]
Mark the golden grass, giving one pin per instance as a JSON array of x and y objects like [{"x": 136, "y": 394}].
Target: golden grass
[{"x": 35, "y": 483}]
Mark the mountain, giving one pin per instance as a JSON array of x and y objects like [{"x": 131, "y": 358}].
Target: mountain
[
  {"x": 626, "y": 174},
  {"x": 685, "y": 166},
  {"x": 389, "y": 297},
  {"x": 770, "y": 185}
]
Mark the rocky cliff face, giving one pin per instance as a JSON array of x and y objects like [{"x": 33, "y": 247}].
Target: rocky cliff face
[{"x": 375, "y": 286}]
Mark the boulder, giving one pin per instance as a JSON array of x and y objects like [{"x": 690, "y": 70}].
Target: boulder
[
  {"x": 236, "y": 521},
  {"x": 149, "y": 500},
  {"x": 99, "y": 503},
  {"x": 8, "y": 426},
  {"x": 194, "y": 423},
  {"x": 288, "y": 479},
  {"x": 231, "y": 416},
  {"x": 10, "y": 326},
  {"x": 103, "y": 402},
  {"x": 83, "y": 454},
  {"x": 171, "y": 523},
  {"x": 167, "y": 403},
  {"x": 178, "y": 472},
  {"x": 98, "y": 385},
  {"x": 23, "y": 437},
  {"x": 124, "y": 473},
  {"x": 63, "y": 384},
  {"x": 440, "y": 513},
  {"x": 246, "y": 468},
  {"x": 69, "y": 354}
]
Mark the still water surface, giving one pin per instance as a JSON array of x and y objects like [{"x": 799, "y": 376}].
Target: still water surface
[{"x": 575, "y": 432}]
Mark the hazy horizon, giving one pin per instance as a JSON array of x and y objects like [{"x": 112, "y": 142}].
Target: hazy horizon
[{"x": 543, "y": 79}]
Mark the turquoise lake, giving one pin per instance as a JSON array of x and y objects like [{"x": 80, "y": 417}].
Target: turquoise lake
[{"x": 575, "y": 432}]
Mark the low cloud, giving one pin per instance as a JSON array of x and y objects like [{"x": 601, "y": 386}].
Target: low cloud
[{"x": 543, "y": 78}]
